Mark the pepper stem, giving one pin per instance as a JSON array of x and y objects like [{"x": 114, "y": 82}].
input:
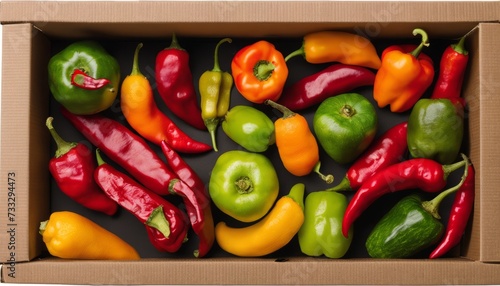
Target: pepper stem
[
  {"x": 158, "y": 220},
  {"x": 244, "y": 185},
  {"x": 297, "y": 194},
  {"x": 135, "y": 65},
  {"x": 432, "y": 206},
  {"x": 263, "y": 70},
  {"x": 175, "y": 44},
  {"x": 460, "y": 46},
  {"x": 287, "y": 113},
  {"x": 98, "y": 157},
  {"x": 344, "y": 185},
  {"x": 425, "y": 42},
  {"x": 216, "y": 54},
  {"x": 63, "y": 146},
  {"x": 295, "y": 53},
  {"x": 43, "y": 226},
  {"x": 211, "y": 125},
  {"x": 327, "y": 178},
  {"x": 453, "y": 167},
  {"x": 348, "y": 111}
]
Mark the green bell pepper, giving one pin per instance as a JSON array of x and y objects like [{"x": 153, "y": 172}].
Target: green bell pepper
[
  {"x": 249, "y": 127},
  {"x": 84, "y": 78},
  {"x": 436, "y": 129},
  {"x": 321, "y": 232}
]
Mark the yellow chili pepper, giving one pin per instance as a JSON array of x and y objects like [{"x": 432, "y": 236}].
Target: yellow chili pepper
[
  {"x": 271, "y": 233},
  {"x": 336, "y": 46},
  {"x": 70, "y": 235},
  {"x": 297, "y": 146}
]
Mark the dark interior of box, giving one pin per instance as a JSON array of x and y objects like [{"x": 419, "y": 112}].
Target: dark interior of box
[{"x": 201, "y": 49}]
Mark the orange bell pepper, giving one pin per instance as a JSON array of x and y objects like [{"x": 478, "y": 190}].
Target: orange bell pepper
[
  {"x": 404, "y": 76},
  {"x": 259, "y": 72}
]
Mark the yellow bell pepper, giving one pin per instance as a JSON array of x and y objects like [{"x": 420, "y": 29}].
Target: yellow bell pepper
[
  {"x": 70, "y": 235},
  {"x": 271, "y": 233}
]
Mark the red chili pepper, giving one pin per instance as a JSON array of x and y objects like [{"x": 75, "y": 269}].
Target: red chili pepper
[
  {"x": 174, "y": 82},
  {"x": 166, "y": 225},
  {"x": 451, "y": 72},
  {"x": 82, "y": 80},
  {"x": 419, "y": 173},
  {"x": 331, "y": 81},
  {"x": 73, "y": 168},
  {"x": 387, "y": 150},
  {"x": 459, "y": 216},
  {"x": 199, "y": 210}
]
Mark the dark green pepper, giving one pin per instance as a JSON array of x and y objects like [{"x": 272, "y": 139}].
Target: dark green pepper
[
  {"x": 84, "y": 78},
  {"x": 249, "y": 127},
  {"x": 321, "y": 232},
  {"x": 436, "y": 129}
]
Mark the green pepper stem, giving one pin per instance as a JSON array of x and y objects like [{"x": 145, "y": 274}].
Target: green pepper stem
[
  {"x": 453, "y": 167},
  {"x": 175, "y": 44},
  {"x": 98, "y": 157},
  {"x": 287, "y": 113},
  {"x": 43, "y": 226},
  {"x": 344, "y": 185},
  {"x": 295, "y": 53},
  {"x": 425, "y": 42},
  {"x": 135, "y": 65},
  {"x": 297, "y": 194},
  {"x": 212, "y": 124},
  {"x": 158, "y": 220},
  {"x": 63, "y": 146},
  {"x": 460, "y": 46},
  {"x": 244, "y": 185},
  {"x": 216, "y": 54},
  {"x": 432, "y": 206},
  {"x": 263, "y": 70},
  {"x": 327, "y": 178}
]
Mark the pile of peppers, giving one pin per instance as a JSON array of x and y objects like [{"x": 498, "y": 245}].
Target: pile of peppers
[{"x": 139, "y": 163}]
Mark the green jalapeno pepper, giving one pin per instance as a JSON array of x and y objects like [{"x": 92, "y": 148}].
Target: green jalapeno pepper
[
  {"x": 436, "y": 129},
  {"x": 249, "y": 127},
  {"x": 321, "y": 232},
  {"x": 215, "y": 91},
  {"x": 84, "y": 78}
]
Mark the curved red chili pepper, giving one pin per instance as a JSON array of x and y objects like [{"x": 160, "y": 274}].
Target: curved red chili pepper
[
  {"x": 452, "y": 69},
  {"x": 387, "y": 150},
  {"x": 419, "y": 173},
  {"x": 459, "y": 216},
  {"x": 82, "y": 80},
  {"x": 166, "y": 225},
  {"x": 331, "y": 81},
  {"x": 174, "y": 82},
  {"x": 197, "y": 199}
]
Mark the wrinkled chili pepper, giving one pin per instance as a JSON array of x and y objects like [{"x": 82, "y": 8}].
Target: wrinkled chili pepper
[
  {"x": 174, "y": 82},
  {"x": 259, "y": 72},
  {"x": 331, "y": 81},
  {"x": 425, "y": 174},
  {"x": 142, "y": 113},
  {"x": 215, "y": 91},
  {"x": 82, "y": 80},
  {"x": 202, "y": 223},
  {"x": 73, "y": 171},
  {"x": 452, "y": 69},
  {"x": 459, "y": 216},
  {"x": 404, "y": 76},
  {"x": 166, "y": 225},
  {"x": 387, "y": 150}
]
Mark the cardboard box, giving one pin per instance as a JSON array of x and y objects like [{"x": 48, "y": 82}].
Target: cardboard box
[{"x": 31, "y": 30}]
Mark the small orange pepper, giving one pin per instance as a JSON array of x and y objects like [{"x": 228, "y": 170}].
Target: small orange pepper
[
  {"x": 259, "y": 72},
  {"x": 404, "y": 76},
  {"x": 297, "y": 146}
]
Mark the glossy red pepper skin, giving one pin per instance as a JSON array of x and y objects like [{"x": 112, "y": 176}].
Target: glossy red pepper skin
[
  {"x": 87, "y": 82},
  {"x": 419, "y": 173},
  {"x": 199, "y": 210},
  {"x": 142, "y": 202},
  {"x": 73, "y": 172},
  {"x": 388, "y": 149},
  {"x": 174, "y": 82},
  {"x": 333, "y": 80},
  {"x": 459, "y": 216},
  {"x": 452, "y": 68}
]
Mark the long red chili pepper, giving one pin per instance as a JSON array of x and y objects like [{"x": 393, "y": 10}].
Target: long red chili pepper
[
  {"x": 82, "y": 80},
  {"x": 174, "y": 82},
  {"x": 73, "y": 171},
  {"x": 331, "y": 81},
  {"x": 387, "y": 150},
  {"x": 202, "y": 223},
  {"x": 459, "y": 216},
  {"x": 166, "y": 225},
  {"x": 452, "y": 69},
  {"x": 419, "y": 173}
]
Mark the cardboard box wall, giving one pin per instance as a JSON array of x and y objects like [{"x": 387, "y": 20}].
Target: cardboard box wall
[{"x": 30, "y": 27}]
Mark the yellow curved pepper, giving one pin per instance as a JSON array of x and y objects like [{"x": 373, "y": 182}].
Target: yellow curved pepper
[
  {"x": 271, "y": 233},
  {"x": 70, "y": 235}
]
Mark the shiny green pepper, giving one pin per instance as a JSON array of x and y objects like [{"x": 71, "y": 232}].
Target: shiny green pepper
[
  {"x": 321, "y": 233},
  {"x": 404, "y": 231},
  {"x": 249, "y": 127},
  {"x": 215, "y": 91},
  {"x": 84, "y": 78},
  {"x": 436, "y": 129}
]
